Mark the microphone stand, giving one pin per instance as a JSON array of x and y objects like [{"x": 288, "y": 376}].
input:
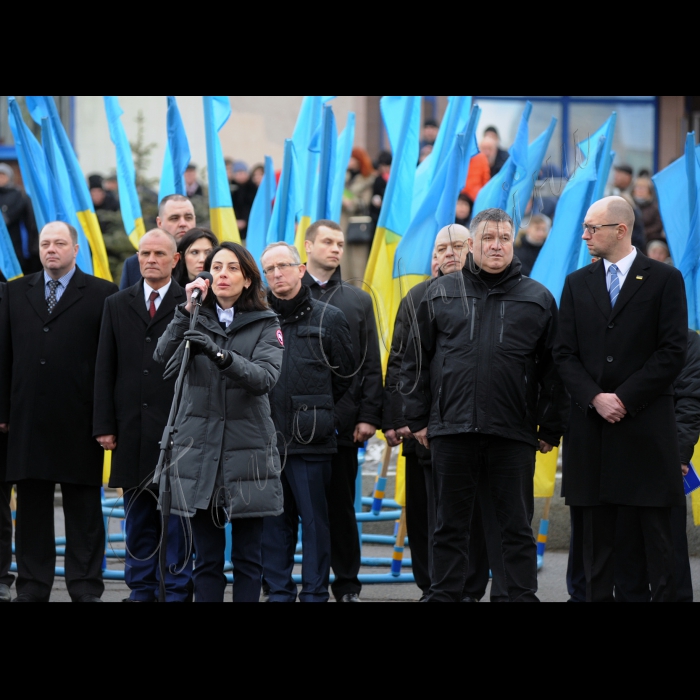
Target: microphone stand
[{"x": 163, "y": 473}]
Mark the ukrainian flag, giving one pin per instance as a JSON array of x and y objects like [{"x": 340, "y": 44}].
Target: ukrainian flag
[
  {"x": 307, "y": 126},
  {"x": 44, "y": 106},
  {"x": 9, "y": 265},
  {"x": 326, "y": 144},
  {"x": 402, "y": 116},
  {"x": 345, "y": 144},
  {"x": 288, "y": 202},
  {"x": 126, "y": 173},
  {"x": 217, "y": 111},
  {"x": 261, "y": 213},
  {"x": 177, "y": 155}
]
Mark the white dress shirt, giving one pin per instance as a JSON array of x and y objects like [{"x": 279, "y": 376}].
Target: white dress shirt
[
  {"x": 623, "y": 268},
  {"x": 148, "y": 290},
  {"x": 225, "y": 315}
]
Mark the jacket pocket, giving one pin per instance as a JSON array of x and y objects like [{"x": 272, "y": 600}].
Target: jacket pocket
[{"x": 312, "y": 419}]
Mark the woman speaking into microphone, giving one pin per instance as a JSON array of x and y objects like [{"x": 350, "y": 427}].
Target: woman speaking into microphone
[{"x": 225, "y": 463}]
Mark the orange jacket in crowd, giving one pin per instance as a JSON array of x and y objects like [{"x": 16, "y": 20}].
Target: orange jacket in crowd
[{"x": 479, "y": 175}]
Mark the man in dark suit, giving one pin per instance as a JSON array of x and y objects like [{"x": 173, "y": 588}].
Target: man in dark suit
[
  {"x": 6, "y": 579},
  {"x": 622, "y": 343},
  {"x": 52, "y": 320},
  {"x": 176, "y": 216},
  {"x": 132, "y": 405}
]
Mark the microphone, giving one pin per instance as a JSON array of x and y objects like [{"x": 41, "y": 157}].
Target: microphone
[{"x": 206, "y": 276}]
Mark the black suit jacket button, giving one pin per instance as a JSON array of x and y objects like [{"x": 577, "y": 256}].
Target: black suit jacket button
[
  {"x": 611, "y": 326},
  {"x": 148, "y": 340},
  {"x": 42, "y": 362},
  {"x": 46, "y": 330},
  {"x": 610, "y": 359},
  {"x": 145, "y": 405},
  {"x": 145, "y": 373}
]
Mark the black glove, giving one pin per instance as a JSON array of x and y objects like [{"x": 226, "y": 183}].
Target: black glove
[
  {"x": 172, "y": 368},
  {"x": 205, "y": 345}
]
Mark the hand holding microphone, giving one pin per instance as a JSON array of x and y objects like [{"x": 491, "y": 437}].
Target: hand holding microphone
[{"x": 197, "y": 291}]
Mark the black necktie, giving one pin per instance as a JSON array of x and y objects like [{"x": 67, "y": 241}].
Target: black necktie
[{"x": 52, "y": 300}]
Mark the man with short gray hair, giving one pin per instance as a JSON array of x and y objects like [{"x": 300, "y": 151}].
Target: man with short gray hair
[{"x": 317, "y": 372}]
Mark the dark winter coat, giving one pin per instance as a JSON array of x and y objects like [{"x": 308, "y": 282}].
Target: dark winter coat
[
  {"x": 484, "y": 362},
  {"x": 47, "y": 380},
  {"x": 636, "y": 350},
  {"x": 3, "y": 349},
  {"x": 527, "y": 254},
  {"x": 17, "y": 210},
  {"x": 317, "y": 372},
  {"x": 225, "y": 443},
  {"x": 131, "y": 399},
  {"x": 687, "y": 399},
  {"x": 363, "y": 402}
]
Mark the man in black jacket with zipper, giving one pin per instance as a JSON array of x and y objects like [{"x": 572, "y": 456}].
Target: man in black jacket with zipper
[
  {"x": 358, "y": 414},
  {"x": 485, "y": 382},
  {"x": 317, "y": 372}
]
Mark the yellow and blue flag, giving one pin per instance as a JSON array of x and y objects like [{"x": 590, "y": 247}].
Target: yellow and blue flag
[
  {"x": 42, "y": 107},
  {"x": 561, "y": 253},
  {"x": 288, "y": 201},
  {"x": 44, "y": 181},
  {"x": 305, "y": 131},
  {"x": 345, "y": 144},
  {"x": 679, "y": 201},
  {"x": 261, "y": 212},
  {"x": 177, "y": 155},
  {"x": 217, "y": 111},
  {"x": 402, "y": 115},
  {"x": 126, "y": 173},
  {"x": 9, "y": 264}
]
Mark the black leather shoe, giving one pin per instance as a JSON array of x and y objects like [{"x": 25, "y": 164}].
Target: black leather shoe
[
  {"x": 350, "y": 598},
  {"x": 5, "y": 595},
  {"x": 88, "y": 599},
  {"x": 26, "y": 598},
  {"x": 468, "y": 599}
]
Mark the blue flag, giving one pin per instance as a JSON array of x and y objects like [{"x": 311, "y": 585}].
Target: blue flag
[
  {"x": 9, "y": 264},
  {"x": 261, "y": 213},
  {"x": 177, "y": 155},
  {"x": 325, "y": 143},
  {"x": 288, "y": 202},
  {"x": 345, "y": 145}
]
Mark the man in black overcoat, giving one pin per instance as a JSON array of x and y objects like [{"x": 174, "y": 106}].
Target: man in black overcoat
[
  {"x": 358, "y": 414},
  {"x": 6, "y": 579},
  {"x": 132, "y": 405},
  {"x": 622, "y": 343},
  {"x": 47, "y": 381}
]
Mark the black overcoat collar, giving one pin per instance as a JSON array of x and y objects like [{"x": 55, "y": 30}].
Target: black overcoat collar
[
  {"x": 172, "y": 299},
  {"x": 36, "y": 294}
]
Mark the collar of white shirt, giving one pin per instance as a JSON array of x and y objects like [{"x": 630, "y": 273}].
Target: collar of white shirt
[
  {"x": 148, "y": 290},
  {"x": 623, "y": 266},
  {"x": 319, "y": 282},
  {"x": 225, "y": 315}
]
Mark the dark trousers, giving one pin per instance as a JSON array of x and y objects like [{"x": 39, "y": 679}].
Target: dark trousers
[
  {"x": 144, "y": 527},
  {"x": 576, "y": 571},
  {"x": 208, "y": 530},
  {"x": 458, "y": 464},
  {"x": 631, "y": 576},
  {"x": 6, "y": 577},
  {"x": 305, "y": 481},
  {"x": 35, "y": 542},
  {"x": 345, "y": 539},
  {"x": 600, "y": 544},
  {"x": 420, "y": 514}
]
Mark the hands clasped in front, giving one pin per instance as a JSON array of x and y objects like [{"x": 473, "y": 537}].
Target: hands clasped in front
[{"x": 610, "y": 407}]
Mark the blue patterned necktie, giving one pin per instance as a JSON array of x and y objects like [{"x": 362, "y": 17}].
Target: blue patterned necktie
[
  {"x": 52, "y": 300},
  {"x": 614, "y": 285}
]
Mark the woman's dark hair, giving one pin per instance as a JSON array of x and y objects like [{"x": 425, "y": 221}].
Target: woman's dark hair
[
  {"x": 181, "y": 275},
  {"x": 253, "y": 298}
]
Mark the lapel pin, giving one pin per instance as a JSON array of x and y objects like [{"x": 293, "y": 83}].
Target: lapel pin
[{"x": 640, "y": 278}]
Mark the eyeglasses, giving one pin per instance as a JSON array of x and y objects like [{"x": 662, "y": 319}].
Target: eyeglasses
[
  {"x": 283, "y": 267},
  {"x": 593, "y": 229}
]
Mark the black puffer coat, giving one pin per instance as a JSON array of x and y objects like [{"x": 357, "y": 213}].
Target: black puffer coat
[
  {"x": 687, "y": 398},
  {"x": 316, "y": 374},
  {"x": 485, "y": 360}
]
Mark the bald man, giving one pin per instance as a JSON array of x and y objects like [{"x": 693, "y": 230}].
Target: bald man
[
  {"x": 51, "y": 323},
  {"x": 132, "y": 405},
  {"x": 622, "y": 344}
]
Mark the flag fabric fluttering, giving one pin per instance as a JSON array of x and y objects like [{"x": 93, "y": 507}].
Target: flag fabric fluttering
[
  {"x": 129, "y": 203},
  {"x": 9, "y": 264},
  {"x": 560, "y": 254},
  {"x": 325, "y": 142},
  {"x": 679, "y": 201},
  {"x": 217, "y": 111},
  {"x": 497, "y": 194},
  {"x": 402, "y": 121},
  {"x": 261, "y": 212},
  {"x": 345, "y": 145},
  {"x": 305, "y": 131},
  {"x": 177, "y": 154},
  {"x": 41, "y": 107},
  {"x": 42, "y": 185},
  {"x": 288, "y": 201}
]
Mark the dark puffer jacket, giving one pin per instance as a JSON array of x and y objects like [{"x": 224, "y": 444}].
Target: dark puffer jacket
[
  {"x": 484, "y": 363},
  {"x": 687, "y": 398},
  {"x": 225, "y": 445},
  {"x": 316, "y": 374}
]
